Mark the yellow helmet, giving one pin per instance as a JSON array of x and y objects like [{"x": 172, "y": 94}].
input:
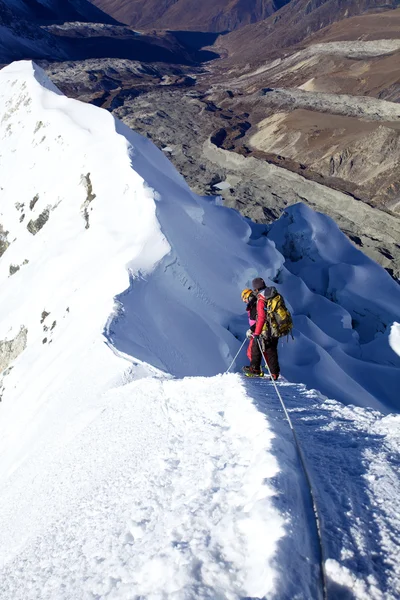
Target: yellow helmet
[{"x": 246, "y": 294}]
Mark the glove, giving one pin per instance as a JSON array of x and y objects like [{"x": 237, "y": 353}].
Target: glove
[
  {"x": 249, "y": 334},
  {"x": 256, "y": 337}
]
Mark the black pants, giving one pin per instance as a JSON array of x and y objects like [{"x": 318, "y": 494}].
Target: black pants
[{"x": 270, "y": 351}]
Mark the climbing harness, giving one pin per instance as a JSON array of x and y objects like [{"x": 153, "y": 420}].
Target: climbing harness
[
  {"x": 230, "y": 366},
  {"x": 308, "y": 479}
]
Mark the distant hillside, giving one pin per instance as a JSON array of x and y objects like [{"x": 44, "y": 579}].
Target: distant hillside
[
  {"x": 291, "y": 25},
  {"x": 207, "y": 15},
  {"x": 20, "y": 39}
]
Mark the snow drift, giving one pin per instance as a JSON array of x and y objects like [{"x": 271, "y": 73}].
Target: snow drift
[{"x": 113, "y": 273}]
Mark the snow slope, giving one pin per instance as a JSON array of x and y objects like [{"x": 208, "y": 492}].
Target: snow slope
[
  {"x": 191, "y": 446},
  {"x": 114, "y": 279},
  {"x": 394, "y": 338}
]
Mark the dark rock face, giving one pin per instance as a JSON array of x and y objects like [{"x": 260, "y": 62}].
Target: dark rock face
[
  {"x": 58, "y": 10},
  {"x": 32, "y": 35},
  {"x": 25, "y": 39}
]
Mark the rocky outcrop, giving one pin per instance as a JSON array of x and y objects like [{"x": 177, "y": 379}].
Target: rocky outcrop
[
  {"x": 11, "y": 349},
  {"x": 4, "y": 243},
  {"x": 35, "y": 225}
]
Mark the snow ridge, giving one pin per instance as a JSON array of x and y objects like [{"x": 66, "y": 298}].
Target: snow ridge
[{"x": 118, "y": 476}]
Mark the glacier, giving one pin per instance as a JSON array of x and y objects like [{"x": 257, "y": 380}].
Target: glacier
[{"x": 130, "y": 464}]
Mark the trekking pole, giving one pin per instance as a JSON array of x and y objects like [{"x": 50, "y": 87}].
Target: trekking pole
[
  {"x": 230, "y": 366},
  {"x": 308, "y": 479}
]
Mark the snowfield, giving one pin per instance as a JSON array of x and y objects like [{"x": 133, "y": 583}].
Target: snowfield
[{"x": 130, "y": 465}]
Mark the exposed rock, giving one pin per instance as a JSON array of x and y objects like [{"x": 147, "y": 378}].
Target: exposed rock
[
  {"x": 11, "y": 349},
  {"x": 14, "y": 269},
  {"x": 90, "y": 196},
  {"x": 34, "y": 226},
  {"x": 44, "y": 315},
  {"x": 3, "y": 241},
  {"x": 33, "y": 201}
]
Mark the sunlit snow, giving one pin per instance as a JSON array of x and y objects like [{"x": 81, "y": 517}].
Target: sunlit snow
[{"x": 130, "y": 465}]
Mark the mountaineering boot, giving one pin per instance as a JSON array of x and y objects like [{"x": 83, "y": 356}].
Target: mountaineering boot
[
  {"x": 274, "y": 376},
  {"x": 252, "y": 372}
]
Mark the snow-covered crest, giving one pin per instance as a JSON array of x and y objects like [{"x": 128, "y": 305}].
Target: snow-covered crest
[
  {"x": 85, "y": 201},
  {"x": 114, "y": 274}
]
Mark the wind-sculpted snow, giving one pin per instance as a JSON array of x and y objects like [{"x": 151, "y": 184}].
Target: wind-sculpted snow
[
  {"x": 114, "y": 477},
  {"x": 345, "y": 303},
  {"x": 394, "y": 338}
]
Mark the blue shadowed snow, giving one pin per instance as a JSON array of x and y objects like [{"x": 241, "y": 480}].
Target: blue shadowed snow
[
  {"x": 186, "y": 316},
  {"x": 352, "y": 458}
]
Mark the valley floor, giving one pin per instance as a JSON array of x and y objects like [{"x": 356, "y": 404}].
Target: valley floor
[{"x": 192, "y": 488}]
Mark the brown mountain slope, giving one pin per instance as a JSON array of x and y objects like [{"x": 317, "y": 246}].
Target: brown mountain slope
[
  {"x": 375, "y": 26},
  {"x": 207, "y": 15},
  {"x": 328, "y": 108},
  {"x": 290, "y": 26}
]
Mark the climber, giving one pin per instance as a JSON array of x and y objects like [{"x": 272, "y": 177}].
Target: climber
[
  {"x": 250, "y": 299},
  {"x": 272, "y": 321}
]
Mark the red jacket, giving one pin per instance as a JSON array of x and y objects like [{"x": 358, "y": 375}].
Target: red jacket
[{"x": 260, "y": 321}]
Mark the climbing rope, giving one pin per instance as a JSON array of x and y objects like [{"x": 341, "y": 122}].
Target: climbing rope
[
  {"x": 230, "y": 366},
  {"x": 308, "y": 479}
]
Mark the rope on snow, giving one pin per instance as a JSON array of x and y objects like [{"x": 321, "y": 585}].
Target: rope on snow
[{"x": 308, "y": 479}]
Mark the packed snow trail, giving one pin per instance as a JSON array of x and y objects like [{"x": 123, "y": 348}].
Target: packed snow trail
[
  {"x": 182, "y": 489},
  {"x": 167, "y": 492},
  {"x": 353, "y": 457}
]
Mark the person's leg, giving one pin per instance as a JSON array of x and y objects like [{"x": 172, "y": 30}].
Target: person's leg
[
  {"x": 255, "y": 362},
  {"x": 271, "y": 355}
]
